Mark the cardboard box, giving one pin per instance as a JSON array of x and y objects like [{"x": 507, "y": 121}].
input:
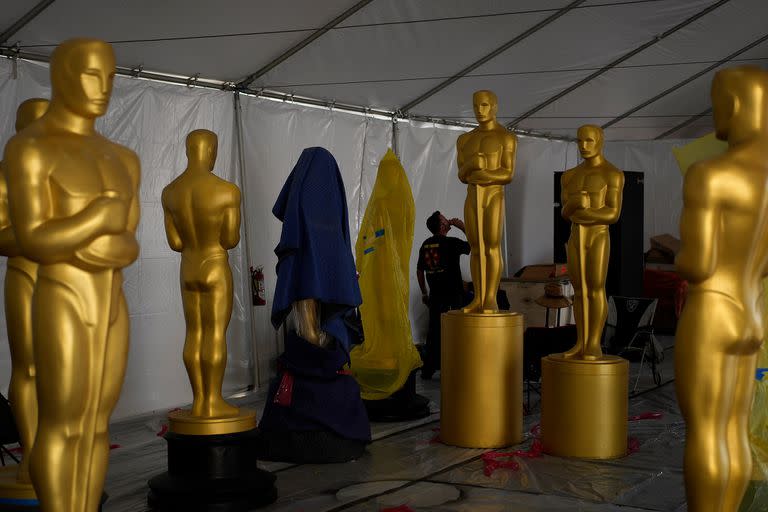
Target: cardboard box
[{"x": 543, "y": 272}]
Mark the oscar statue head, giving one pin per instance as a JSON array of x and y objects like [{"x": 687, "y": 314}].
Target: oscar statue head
[
  {"x": 485, "y": 104},
  {"x": 82, "y": 72},
  {"x": 202, "y": 147},
  {"x": 739, "y": 102},
  {"x": 590, "y": 139}
]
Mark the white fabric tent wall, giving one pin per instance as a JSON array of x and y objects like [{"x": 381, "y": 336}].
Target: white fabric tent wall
[
  {"x": 152, "y": 119},
  {"x": 663, "y": 182},
  {"x": 428, "y": 153},
  {"x": 530, "y": 200}
]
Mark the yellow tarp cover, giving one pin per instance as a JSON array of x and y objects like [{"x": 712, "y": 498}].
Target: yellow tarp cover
[
  {"x": 700, "y": 149},
  {"x": 382, "y": 363}
]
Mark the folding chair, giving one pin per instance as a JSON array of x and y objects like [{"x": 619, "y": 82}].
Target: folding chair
[
  {"x": 8, "y": 432},
  {"x": 629, "y": 334}
]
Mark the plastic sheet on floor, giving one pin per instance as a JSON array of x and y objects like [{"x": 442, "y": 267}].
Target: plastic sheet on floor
[{"x": 406, "y": 468}]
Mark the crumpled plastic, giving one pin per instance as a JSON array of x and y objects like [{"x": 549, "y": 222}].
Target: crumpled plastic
[{"x": 387, "y": 356}]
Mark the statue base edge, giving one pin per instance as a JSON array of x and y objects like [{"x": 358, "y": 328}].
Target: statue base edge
[
  {"x": 212, "y": 473},
  {"x": 584, "y": 407},
  {"x": 181, "y": 421}
]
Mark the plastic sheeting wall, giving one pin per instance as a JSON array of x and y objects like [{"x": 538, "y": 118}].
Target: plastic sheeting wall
[{"x": 152, "y": 119}]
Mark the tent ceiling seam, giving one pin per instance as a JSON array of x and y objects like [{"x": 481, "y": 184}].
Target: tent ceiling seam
[
  {"x": 495, "y": 53},
  {"x": 683, "y": 124},
  {"x": 247, "y": 81},
  {"x": 485, "y": 75},
  {"x": 685, "y": 82},
  {"x": 25, "y": 19},
  {"x": 351, "y": 26},
  {"x": 618, "y": 61}
]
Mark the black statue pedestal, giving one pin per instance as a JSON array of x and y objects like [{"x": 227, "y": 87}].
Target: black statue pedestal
[
  {"x": 212, "y": 473},
  {"x": 403, "y": 405}
]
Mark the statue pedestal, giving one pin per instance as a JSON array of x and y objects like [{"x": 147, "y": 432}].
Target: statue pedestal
[
  {"x": 481, "y": 379},
  {"x": 215, "y": 472},
  {"x": 403, "y": 405},
  {"x": 14, "y": 495},
  {"x": 584, "y": 407},
  {"x": 181, "y": 421},
  {"x": 18, "y": 497}
]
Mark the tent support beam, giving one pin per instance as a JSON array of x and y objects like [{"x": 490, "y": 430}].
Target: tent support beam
[
  {"x": 247, "y": 81},
  {"x": 207, "y": 83},
  {"x": 495, "y": 53},
  {"x": 683, "y": 124},
  {"x": 26, "y": 18},
  {"x": 686, "y": 81},
  {"x": 616, "y": 62}
]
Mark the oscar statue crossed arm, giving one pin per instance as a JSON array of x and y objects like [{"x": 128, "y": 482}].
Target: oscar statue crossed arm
[{"x": 73, "y": 202}]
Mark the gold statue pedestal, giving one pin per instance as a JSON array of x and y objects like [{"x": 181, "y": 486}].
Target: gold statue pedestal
[
  {"x": 19, "y": 497},
  {"x": 584, "y": 407},
  {"x": 15, "y": 495},
  {"x": 212, "y": 466},
  {"x": 481, "y": 382},
  {"x": 182, "y": 421}
]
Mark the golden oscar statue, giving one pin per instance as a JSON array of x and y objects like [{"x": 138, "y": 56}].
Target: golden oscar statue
[
  {"x": 481, "y": 356},
  {"x": 584, "y": 393},
  {"x": 724, "y": 256},
  {"x": 202, "y": 222},
  {"x": 15, "y": 483},
  {"x": 73, "y": 203}
]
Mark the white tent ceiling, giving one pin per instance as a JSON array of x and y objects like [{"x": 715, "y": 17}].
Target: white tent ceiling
[{"x": 566, "y": 62}]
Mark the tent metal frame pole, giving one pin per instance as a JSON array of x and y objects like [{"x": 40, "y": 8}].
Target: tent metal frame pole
[
  {"x": 685, "y": 82},
  {"x": 247, "y": 81},
  {"x": 207, "y": 83},
  {"x": 616, "y": 62},
  {"x": 395, "y": 133},
  {"x": 683, "y": 124},
  {"x": 495, "y": 53},
  {"x": 25, "y": 19},
  {"x": 254, "y": 351}
]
